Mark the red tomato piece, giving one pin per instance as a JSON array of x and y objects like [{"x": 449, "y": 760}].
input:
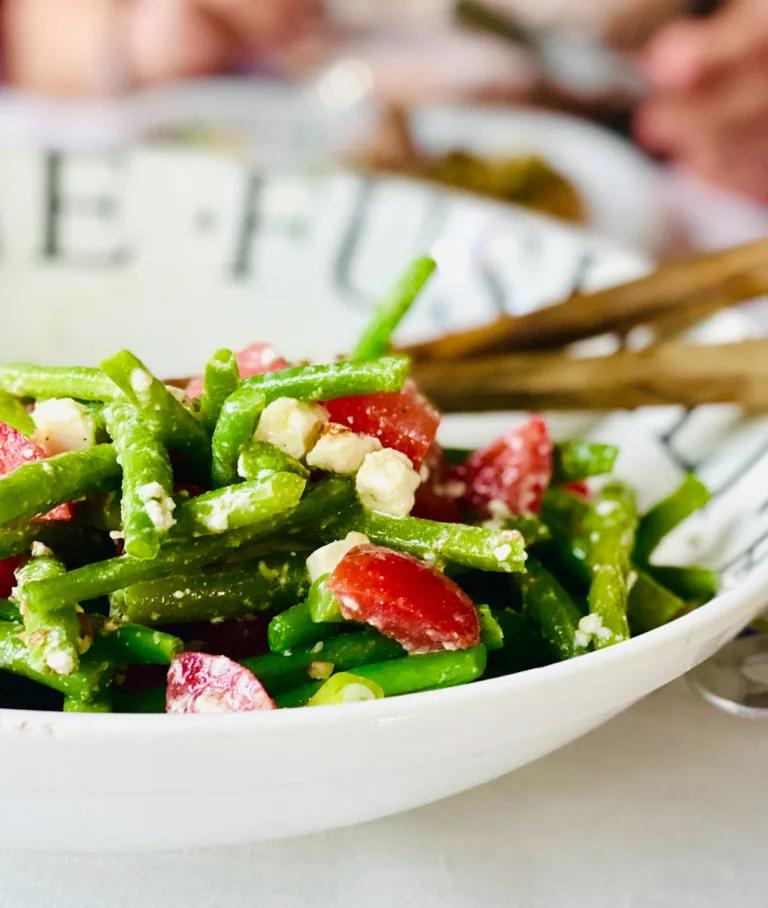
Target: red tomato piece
[
  {"x": 404, "y": 598},
  {"x": 437, "y": 498},
  {"x": 514, "y": 470},
  {"x": 8, "y": 574},
  {"x": 15, "y": 450},
  {"x": 579, "y": 487},
  {"x": 403, "y": 420},
  {"x": 202, "y": 683},
  {"x": 255, "y": 359}
]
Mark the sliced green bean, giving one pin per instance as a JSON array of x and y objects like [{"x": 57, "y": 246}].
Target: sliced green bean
[
  {"x": 651, "y": 604},
  {"x": 279, "y": 672},
  {"x": 102, "y": 703},
  {"x": 295, "y": 627},
  {"x": 134, "y": 644},
  {"x": 53, "y": 636},
  {"x": 234, "y": 591},
  {"x": 260, "y": 458},
  {"x": 29, "y": 380},
  {"x": 83, "y": 684},
  {"x": 322, "y": 604},
  {"x": 491, "y": 632},
  {"x": 689, "y": 496},
  {"x": 36, "y": 487},
  {"x": 146, "y": 504},
  {"x": 234, "y": 430},
  {"x": 241, "y": 505},
  {"x": 552, "y": 610},
  {"x": 342, "y": 379},
  {"x": 164, "y": 414},
  {"x": 377, "y": 336},
  {"x": 14, "y": 414},
  {"x": 610, "y": 528},
  {"x": 694, "y": 584},
  {"x": 220, "y": 379},
  {"x": 426, "y": 672},
  {"x": 9, "y": 610},
  {"x": 297, "y": 696},
  {"x": 68, "y": 541},
  {"x": 478, "y": 547},
  {"x": 576, "y": 460}
]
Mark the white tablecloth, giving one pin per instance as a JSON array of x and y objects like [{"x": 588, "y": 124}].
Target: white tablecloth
[{"x": 664, "y": 807}]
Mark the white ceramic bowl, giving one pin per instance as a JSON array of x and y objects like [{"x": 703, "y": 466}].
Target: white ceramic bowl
[{"x": 173, "y": 268}]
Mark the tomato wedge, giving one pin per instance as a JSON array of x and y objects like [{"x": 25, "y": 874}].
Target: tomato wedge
[
  {"x": 255, "y": 359},
  {"x": 437, "y": 498},
  {"x": 403, "y": 420},
  {"x": 513, "y": 471},
  {"x": 404, "y": 598},
  {"x": 16, "y": 450},
  {"x": 202, "y": 683}
]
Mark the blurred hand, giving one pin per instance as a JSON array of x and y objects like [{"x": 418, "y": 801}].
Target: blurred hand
[
  {"x": 94, "y": 47},
  {"x": 709, "y": 104}
]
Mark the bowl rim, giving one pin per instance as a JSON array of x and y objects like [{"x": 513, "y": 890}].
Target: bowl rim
[{"x": 88, "y": 725}]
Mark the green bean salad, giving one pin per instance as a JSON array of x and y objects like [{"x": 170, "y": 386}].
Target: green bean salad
[{"x": 274, "y": 535}]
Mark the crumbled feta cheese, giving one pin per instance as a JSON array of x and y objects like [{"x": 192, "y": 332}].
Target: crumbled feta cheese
[
  {"x": 423, "y": 472},
  {"x": 324, "y": 560},
  {"x": 498, "y": 509},
  {"x": 591, "y": 628},
  {"x": 387, "y": 482},
  {"x": 179, "y": 393},
  {"x": 341, "y": 450},
  {"x": 60, "y": 661},
  {"x": 62, "y": 424},
  {"x": 141, "y": 381},
  {"x": 590, "y": 623},
  {"x": 502, "y": 552},
  {"x": 158, "y": 505},
  {"x": 39, "y": 549},
  {"x": 581, "y": 639},
  {"x": 116, "y": 535},
  {"x": 291, "y": 425}
]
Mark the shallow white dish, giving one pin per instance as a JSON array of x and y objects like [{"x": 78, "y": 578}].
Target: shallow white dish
[{"x": 173, "y": 255}]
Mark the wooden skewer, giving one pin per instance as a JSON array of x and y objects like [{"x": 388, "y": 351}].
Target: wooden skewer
[
  {"x": 671, "y": 373},
  {"x": 721, "y": 279}
]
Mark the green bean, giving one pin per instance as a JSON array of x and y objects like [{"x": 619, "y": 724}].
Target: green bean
[
  {"x": 694, "y": 584},
  {"x": 53, "y": 636},
  {"x": 133, "y": 644},
  {"x": 576, "y": 460},
  {"x": 295, "y": 627},
  {"x": 279, "y": 672},
  {"x": 346, "y": 688},
  {"x": 297, "y": 696},
  {"x": 102, "y": 512},
  {"x": 322, "y": 604},
  {"x": 29, "y": 380},
  {"x": 146, "y": 504},
  {"x": 489, "y": 550},
  {"x": 610, "y": 527},
  {"x": 63, "y": 537},
  {"x": 491, "y": 632},
  {"x": 102, "y": 703},
  {"x": 238, "y": 506},
  {"x": 690, "y": 496},
  {"x": 233, "y": 591},
  {"x": 533, "y": 530},
  {"x": 377, "y": 336},
  {"x": 426, "y": 672},
  {"x": 342, "y": 379},
  {"x": 164, "y": 414},
  {"x": 651, "y": 604},
  {"x": 36, "y": 487},
  {"x": 234, "y": 431},
  {"x": 220, "y": 379},
  {"x": 91, "y": 677},
  {"x": 563, "y": 512},
  {"x": 552, "y": 610},
  {"x": 260, "y": 458},
  {"x": 14, "y": 414}
]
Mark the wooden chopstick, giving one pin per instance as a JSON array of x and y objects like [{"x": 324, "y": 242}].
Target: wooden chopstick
[
  {"x": 670, "y": 373},
  {"x": 720, "y": 278}
]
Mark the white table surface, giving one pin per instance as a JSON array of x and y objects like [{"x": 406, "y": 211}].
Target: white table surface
[{"x": 667, "y": 805}]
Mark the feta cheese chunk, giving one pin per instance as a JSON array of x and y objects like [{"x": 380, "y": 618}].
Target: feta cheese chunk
[
  {"x": 341, "y": 450},
  {"x": 141, "y": 381},
  {"x": 158, "y": 505},
  {"x": 324, "y": 560},
  {"x": 62, "y": 424},
  {"x": 387, "y": 482},
  {"x": 291, "y": 425}
]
